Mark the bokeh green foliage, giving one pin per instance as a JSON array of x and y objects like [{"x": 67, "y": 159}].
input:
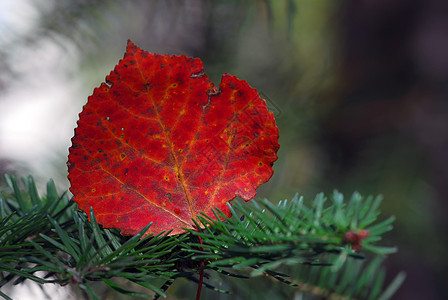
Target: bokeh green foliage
[{"x": 297, "y": 53}]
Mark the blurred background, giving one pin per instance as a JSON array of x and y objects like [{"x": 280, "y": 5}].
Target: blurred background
[{"x": 359, "y": 89}]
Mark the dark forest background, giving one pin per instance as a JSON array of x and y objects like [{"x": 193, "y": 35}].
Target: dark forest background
[{"x": 359, "y": 90}]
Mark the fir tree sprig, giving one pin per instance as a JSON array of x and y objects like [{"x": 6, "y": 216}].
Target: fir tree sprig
[{"x": 320, "y": 241}]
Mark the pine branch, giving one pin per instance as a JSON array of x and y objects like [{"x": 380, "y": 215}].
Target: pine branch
[{"x": 321, "y": 242}]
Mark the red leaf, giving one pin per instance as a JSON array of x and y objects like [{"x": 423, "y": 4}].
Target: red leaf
[{"x": 159, "y": 142}]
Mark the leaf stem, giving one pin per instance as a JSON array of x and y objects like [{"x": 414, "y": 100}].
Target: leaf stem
[{"x": 201, "y": 273}]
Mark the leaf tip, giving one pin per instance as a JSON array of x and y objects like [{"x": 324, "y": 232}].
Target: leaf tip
[
  {"x": 130, "y": 46},
  {"x": 130, "y": 43}
]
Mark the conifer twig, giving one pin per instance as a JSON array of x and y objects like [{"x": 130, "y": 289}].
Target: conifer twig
[{"x": 50, "y": 235}]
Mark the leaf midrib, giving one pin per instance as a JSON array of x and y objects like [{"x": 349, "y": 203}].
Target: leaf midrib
[{"x": 170, "y": 146}]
